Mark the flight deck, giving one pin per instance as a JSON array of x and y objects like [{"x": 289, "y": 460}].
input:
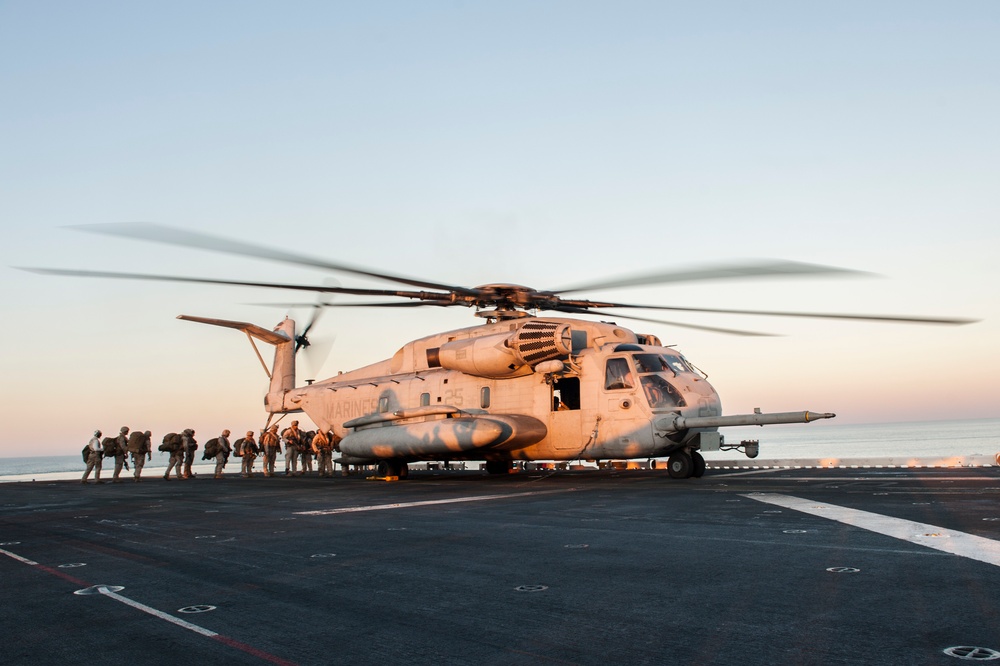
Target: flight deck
[{"x": 766, "y": 566}]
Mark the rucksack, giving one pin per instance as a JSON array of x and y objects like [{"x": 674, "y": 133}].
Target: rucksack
[
  {"x": 211, "y": 449},
  {"x": 86, "y": 453},
  {"x": 110, "y": 445},
  {"x": 137, "y": 442},
  {"x": 238, "y": 447},
  {"x": 171, "y": 442}
]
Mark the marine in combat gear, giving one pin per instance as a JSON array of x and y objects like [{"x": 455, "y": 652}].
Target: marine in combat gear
[
  {"x": 222, "y": 453},
  {"x": 290, "y": 436},
  {"x": 140, "y": 448},
  {"x": 269, "y": 442},
  {"x": 189, "y": 445},
  {"x": 247, "y": 449},
  {"x": 121, "y": 453},
  {"x": 95, "y": 453}
]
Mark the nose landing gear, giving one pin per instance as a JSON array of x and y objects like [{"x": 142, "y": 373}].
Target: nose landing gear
[{"x": 684, "y": 465}]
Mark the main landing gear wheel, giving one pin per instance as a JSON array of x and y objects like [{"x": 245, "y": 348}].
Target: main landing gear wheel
[
  {"x": 698, "y": 468},
  {"x": 680, "y": 465},
  {"x": 392, "y": 468}
]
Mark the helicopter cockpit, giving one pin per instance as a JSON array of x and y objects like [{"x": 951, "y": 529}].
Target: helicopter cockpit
[{"x": 660, "y": 394}]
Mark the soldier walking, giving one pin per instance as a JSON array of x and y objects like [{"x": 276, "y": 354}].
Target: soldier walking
[
  {"x": 94, "y": 456},
  {"x": 176, "y": 455},
  {"x": 322, "y": 446},
  {"x": 222, "y": 456},
  {"x": 291, "y": 436},
  {"x": 140, "y": 447},
  {"x": 269, "y": 442},
  {"x": 188, "y": 445},
  {"x": 248, "y": 449},
  {"x": 121, "y": 453}
]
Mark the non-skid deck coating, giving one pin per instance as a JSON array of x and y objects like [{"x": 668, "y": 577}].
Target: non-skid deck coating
[{"x": 768, "y": 567}]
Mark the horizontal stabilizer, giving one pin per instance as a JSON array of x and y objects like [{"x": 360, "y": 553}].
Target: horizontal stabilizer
[{"x": 271, "y": 337}]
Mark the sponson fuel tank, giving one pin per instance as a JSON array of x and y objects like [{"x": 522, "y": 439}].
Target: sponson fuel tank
[{"x": 444, "y": 436}]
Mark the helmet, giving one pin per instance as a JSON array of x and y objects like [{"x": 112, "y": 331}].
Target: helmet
[
  {"x": 295, "y": 422},
  {"x": 249, "y": 433},
  {"x": 124, "y": 429},
  {"x": 97, "y": 433}
]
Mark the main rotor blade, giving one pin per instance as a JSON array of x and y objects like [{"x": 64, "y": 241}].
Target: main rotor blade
[
  {"x": 731, "y": 271},
  {"x": 713, "y": 329},
  {"x": 162, "y": 234},
  {"x": 240, "y": 283},
  {"x": 347, "y": 304},
  {"x": 898, "y": 319}
]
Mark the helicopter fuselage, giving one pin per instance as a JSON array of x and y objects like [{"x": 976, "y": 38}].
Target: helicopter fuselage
[{"x": 524, "y": 389}]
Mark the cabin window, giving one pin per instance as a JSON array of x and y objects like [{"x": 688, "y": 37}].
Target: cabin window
[
  {"x": 566, "y": 394},
  {"x": 484, "y": 397},
  {"x": 660, "y": 393},
  {"x": 425, "y": 399},
  {"x": 618, "y": 375},
  {"x": 383, "y": 404}
]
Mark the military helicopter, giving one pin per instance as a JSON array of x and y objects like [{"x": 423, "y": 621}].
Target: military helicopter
[{"x": 518, "y": 387}]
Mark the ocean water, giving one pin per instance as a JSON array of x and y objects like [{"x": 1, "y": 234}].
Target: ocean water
[
  {"x": 823, "y": 440},
  {"x": 828, "y": 439}
]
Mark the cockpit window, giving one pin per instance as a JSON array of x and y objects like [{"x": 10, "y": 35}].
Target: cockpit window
[
  {"x": 677, "y": 363},
  {"x": 618, "y": 375},
  {"x": 649, "y": 363},
  {"x": 661, "y": 393}
]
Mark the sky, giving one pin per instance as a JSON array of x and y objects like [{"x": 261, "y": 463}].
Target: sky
[{"x": 537, "y": 143}]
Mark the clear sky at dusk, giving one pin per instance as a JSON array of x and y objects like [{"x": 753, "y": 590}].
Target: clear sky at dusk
[{"x": 539, "y": 143}]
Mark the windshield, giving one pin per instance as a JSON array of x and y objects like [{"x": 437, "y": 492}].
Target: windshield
[
  {"x": 660, "y": 393},
  {"x": 646, "y": 363}
]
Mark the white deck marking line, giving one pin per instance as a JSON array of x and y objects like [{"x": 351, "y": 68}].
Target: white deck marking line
[
  {"x": 156, "y": 613},
  {"x": 932, "y": 536},
  {"x": 756, "y": 471},
  {"x": 18, "y": 557},
  {"x": 406, "y": 505}
]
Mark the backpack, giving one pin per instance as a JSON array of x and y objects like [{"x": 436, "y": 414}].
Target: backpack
[
  {"x": 86, "y": 453},
  {"x": 211, "y": 449},
  {"x": 171, "y": 442},
  {"x": 110, "y": 445},
  {"x": 238, "y": 447},
  {"x": 136, "y": 442}
]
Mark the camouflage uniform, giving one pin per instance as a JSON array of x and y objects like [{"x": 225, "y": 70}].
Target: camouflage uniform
[
  {"x": 94, "y": 457},
  {"x": 139, "y": 446},
  {"x": 223, "y": 455},
  {"x": 190, "y": 445},
  {"x": 121, "y": 453},
  {"x": 249, "y": 452},
  {"x": 291, "y": 437},
  {"x": 269, "y": 442},
  {"x": 323, "y": 449}
]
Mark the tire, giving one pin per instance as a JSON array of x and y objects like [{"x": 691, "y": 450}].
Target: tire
[
  {"x": 384, "y": 468},
  {"x": 698, "y": 469},
  {"x": 680, "y": 465}
]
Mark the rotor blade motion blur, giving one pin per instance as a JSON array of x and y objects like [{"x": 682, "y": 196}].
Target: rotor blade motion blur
[
  {"x": 173, "y": 236},
  {"x": 732, "y": 271}
]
